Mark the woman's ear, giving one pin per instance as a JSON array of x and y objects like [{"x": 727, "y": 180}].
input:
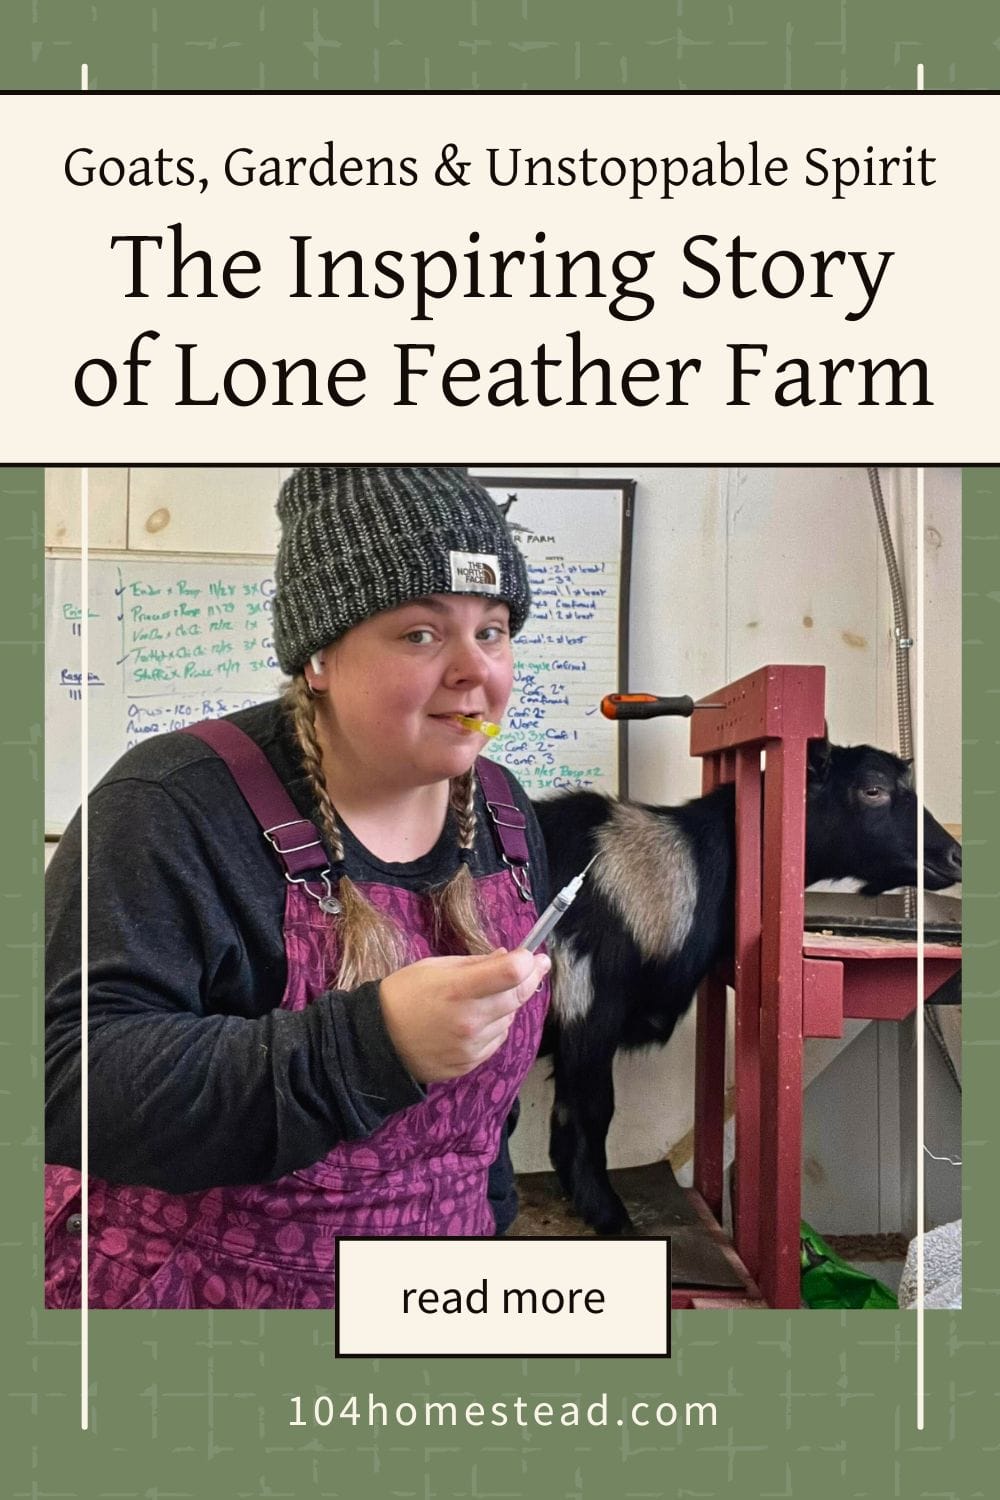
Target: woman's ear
[{"x": 316, "y": 662}]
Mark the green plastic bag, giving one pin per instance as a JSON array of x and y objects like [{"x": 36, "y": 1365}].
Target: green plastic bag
[{"x": 828, "y": 1281}]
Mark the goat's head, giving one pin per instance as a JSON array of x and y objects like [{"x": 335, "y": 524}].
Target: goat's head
[{"x": 862, "y": 822}]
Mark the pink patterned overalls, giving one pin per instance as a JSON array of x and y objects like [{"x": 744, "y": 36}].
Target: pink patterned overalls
[{"x": 423, "y": 1172}]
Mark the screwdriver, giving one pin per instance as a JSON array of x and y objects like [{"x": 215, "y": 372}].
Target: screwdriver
[{"x": 649, "y": 706}]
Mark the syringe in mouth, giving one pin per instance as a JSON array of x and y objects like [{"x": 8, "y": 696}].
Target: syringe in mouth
[{"x": 480, "y": 726}]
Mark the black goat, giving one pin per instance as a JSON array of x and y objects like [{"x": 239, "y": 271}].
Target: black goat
[{"x": 656, "y": 914}]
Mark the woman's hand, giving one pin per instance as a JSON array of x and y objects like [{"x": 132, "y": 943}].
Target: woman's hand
[{"x": 445, "y": 1016}]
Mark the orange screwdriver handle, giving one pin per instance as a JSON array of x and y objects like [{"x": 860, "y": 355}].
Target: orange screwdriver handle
[{"x": 645, "y": 706}]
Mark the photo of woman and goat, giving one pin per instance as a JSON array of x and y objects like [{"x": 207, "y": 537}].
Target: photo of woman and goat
[{"x": 425, "y": 803}]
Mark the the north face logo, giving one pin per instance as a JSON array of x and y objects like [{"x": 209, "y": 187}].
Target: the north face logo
[{"x": 475, "y": 573}]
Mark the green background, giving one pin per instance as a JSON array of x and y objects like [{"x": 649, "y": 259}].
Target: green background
[
  {"x": 196, "y": 1404},
  {"x": 498, "y": 44}
]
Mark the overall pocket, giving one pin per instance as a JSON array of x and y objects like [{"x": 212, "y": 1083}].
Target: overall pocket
[{"x": 63, "y": 1237}]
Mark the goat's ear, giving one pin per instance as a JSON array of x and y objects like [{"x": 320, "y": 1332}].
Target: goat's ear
[{"x": 818, "y": 763}]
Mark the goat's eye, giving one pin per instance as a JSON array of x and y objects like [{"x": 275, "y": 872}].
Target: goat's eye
[{"x": 875, "y": 793}]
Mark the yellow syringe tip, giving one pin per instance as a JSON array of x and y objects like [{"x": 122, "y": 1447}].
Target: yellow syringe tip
[{"x": 481, "y": 726}]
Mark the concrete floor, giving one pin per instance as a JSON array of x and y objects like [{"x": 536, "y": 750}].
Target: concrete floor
[{"x": 658, "y": 1206}]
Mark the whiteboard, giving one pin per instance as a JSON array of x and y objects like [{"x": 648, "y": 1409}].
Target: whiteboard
[{"x": 175, "y": 640}]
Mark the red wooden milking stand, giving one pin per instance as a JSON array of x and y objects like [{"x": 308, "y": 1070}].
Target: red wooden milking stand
[{"x": 788, "y": 984}]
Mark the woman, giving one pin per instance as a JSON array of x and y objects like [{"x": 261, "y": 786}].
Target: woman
[{"x": 308, "y": 1012}]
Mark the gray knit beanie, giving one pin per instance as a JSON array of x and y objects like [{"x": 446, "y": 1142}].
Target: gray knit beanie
[{"x": 356, "y": 541}]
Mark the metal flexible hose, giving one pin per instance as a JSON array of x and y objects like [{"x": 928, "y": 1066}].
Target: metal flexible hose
[
  {"x": 904, "y": 643},
  {"x": 900, "y": 620}
]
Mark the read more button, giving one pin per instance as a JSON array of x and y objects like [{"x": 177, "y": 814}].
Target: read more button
[{"x": 496, "y": 1297}]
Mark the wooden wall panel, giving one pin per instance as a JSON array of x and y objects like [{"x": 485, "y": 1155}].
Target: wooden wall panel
[
  {"x": 228, "y": 511},
  {"x": 108, "y": 509}
]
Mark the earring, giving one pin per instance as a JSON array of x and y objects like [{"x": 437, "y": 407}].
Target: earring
[{"x": 316, "y": 662}]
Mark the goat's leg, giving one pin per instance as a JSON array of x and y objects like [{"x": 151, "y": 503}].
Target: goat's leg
[
  {"x": 565, "y": 1133},
  {"x": 581, "y": 1116}
]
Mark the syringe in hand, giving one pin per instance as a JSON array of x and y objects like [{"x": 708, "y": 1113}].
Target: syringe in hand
[{"x": 559, "y": 904}]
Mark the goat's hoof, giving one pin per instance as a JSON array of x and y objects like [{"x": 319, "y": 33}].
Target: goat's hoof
[
  {"x": 626, "y": 1231},
  {"x": 614, "y": 1225}
]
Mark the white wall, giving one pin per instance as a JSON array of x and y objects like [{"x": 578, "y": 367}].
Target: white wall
[
  {"x": 943, "y": 621},
  {"x": 732, "y": 569}
]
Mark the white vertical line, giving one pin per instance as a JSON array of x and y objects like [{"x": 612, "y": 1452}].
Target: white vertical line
[
  {"x": 919, "y": 695},
  {"x": 84, "y": 920},
  {"x": 84, "y": 955},
  {"x": 919, "y": 751}
]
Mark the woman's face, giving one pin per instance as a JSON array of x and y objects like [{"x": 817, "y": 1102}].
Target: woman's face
[{"x": 395, "y": 682}]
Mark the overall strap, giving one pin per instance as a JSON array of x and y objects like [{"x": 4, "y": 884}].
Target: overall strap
[
  {"x": 294, "y": 839},
  {"x": 509, "y": 824}
]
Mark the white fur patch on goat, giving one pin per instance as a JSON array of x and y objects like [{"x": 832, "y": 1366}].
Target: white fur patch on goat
[
  {"x": 846, "y": 885},
  {"x": 572, "y": 984},
  {"x": 647, "y": 873}
]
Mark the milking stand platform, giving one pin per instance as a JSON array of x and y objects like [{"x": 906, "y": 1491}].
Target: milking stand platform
[{"x": 789, "y": 984}]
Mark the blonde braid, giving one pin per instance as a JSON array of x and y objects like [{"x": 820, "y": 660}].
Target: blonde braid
[
  {"x": 463, "y": 801},
  {"x": 302, "y": 706},
  {"x": 371, "y": 945},
  {"x": 456, "y": 909}
]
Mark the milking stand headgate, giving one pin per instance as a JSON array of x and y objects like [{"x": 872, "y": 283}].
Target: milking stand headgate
[{"x": 789, "y": 984}]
